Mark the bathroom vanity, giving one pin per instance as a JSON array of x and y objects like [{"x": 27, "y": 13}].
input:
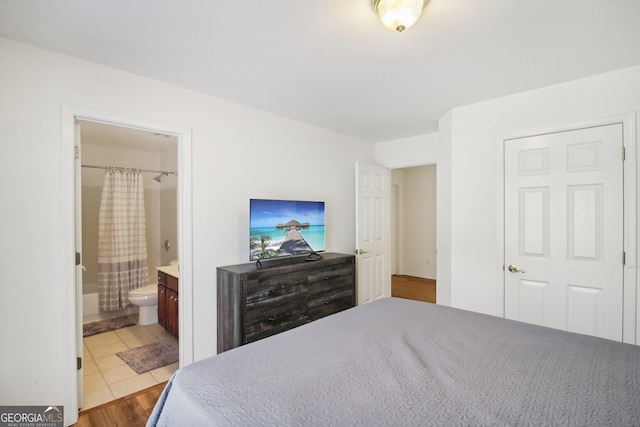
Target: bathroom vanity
[{"x": 168, "y": 298}]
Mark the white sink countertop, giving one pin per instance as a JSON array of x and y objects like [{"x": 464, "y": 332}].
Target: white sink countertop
[{"x": 171, "y": 270}]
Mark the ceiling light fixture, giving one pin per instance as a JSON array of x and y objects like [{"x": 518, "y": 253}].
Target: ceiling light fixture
[{"x": 399, "y": 15}]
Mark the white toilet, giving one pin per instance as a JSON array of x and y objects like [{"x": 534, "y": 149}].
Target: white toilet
[{"x": 146, "y": 298}]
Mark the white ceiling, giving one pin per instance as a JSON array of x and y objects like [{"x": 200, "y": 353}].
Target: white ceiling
[{"x": 331, "y": 63}]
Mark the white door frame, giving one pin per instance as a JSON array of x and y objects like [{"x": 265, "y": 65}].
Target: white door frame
[
  {"x": 185, "y": 236},
  {"x": 630, "y": 325}
]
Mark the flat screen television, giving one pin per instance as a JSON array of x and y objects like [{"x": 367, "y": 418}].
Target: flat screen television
[{"x": 282, "y": 228}]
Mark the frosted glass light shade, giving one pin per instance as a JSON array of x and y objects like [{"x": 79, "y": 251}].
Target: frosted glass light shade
[{"x": 399, "y": 15}]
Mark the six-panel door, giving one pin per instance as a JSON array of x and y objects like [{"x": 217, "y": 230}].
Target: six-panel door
[{"x": 564, "y": 230}]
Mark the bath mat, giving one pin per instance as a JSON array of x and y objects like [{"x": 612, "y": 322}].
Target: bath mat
[
  {"x": 151, "y": 356},
  {"x": 107, "y": 325}
]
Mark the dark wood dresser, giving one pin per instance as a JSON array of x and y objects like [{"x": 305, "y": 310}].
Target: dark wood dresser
[{"x": 255, "y": 303}]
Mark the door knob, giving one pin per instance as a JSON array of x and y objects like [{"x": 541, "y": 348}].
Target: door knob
[{"x": 512, "y": 268}]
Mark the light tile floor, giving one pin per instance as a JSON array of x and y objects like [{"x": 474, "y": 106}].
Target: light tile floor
[{"x": 107, "y": 377}]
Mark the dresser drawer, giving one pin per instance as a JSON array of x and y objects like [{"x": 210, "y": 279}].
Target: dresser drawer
[
  {"x": 275, "y": 289},
  {"x": 329, "y": 302},
  {"x": 325, "y": 282},
  {"x": 342, "y": 273},
  {"x": 265, "y": 321},
  {"x": 331, "y": 289},
  {"x": 330, "y": 307}
]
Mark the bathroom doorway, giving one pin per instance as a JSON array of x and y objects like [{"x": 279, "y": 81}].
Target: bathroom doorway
[
  {"x": 72, "y": 233},
  {"x": 116, "y": 344}
]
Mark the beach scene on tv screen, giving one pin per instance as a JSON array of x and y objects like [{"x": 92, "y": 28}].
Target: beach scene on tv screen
[{"x": 285, "y": 228}]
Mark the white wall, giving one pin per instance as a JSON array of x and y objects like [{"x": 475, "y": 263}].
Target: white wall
[
  {"x": 470, "y": 139},
  {"x": 238, "y": 153}
]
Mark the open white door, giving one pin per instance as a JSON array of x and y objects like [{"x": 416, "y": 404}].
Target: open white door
[
  {"x": 372, "y": 232},
  {"x": 78, "y": 270}
]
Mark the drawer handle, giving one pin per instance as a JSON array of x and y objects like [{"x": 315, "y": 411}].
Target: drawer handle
[
  {"x": 275, "y": 318},
  {"x": 327, "y": 302},
  {"x": 282, "y": 288}
]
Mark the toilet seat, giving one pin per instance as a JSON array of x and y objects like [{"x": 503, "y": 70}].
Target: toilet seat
[{"x": 148, "y": 290}]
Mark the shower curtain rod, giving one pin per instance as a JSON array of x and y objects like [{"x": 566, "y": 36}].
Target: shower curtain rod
[{"x": 141, "y": 170}]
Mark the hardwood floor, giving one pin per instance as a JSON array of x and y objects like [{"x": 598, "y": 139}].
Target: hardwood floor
[
  {"x": 130, "y": 411},
  {"x": 416, "y": 288}
]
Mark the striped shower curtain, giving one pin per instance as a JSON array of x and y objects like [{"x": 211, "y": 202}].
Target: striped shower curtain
[{"x": 122, "y": 243}]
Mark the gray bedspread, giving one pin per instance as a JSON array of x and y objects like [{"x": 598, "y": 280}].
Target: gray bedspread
[{"x": 397, "y": 362}]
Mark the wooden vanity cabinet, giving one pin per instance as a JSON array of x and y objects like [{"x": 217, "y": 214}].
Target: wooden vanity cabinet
[
  {"x": 162, "y": 299},
  {"x": 168, "y": 302}
]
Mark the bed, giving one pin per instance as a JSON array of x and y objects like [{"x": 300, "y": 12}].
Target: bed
[{"x": 401, "y": 362}]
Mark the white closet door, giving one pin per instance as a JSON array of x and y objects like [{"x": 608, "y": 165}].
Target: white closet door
[{"x": 564, "y": 230}]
